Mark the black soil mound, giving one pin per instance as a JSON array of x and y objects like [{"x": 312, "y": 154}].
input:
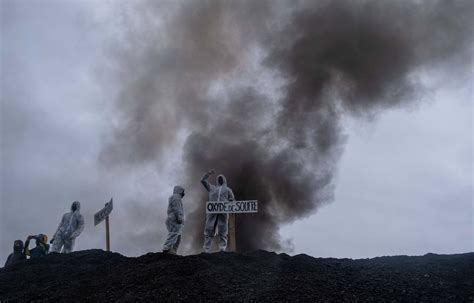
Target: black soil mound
[{"x": 96, "y": 275}]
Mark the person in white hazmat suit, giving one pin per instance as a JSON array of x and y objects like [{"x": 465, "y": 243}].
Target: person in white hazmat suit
[
  {"x": 219, "y": 192},
  {"x": 174, "y": 221},
  {"x": 71, "y": 226}
]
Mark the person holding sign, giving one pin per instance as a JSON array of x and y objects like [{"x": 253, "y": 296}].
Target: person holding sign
[
  {"x": 70, "y": 227},
  {"x": 219, "y": 192},
  {"x": 174, "y": 221}
]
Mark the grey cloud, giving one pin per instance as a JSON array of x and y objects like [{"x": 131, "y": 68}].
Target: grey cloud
[{"x": 336, "y": 58}]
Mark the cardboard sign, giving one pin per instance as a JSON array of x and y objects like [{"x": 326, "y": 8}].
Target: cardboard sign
[
  {"x": 234, "y": 207},
  {"x": 104, "y": 212}
]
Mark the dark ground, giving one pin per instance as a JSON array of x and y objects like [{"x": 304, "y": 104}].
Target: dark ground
[{"x": 95, "y": 275}]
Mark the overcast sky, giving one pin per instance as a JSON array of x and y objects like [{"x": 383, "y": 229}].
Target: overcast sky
[{"x": 404, "y": 182}]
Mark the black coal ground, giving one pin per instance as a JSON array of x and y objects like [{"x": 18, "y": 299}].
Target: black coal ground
[{"x": 95, "y": 275}]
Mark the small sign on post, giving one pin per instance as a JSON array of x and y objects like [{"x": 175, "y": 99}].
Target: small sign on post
[
  {"x": 232, "y": 208},
  {"x": 102, "y": 215}
]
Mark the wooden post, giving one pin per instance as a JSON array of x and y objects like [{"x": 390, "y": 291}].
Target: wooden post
[
  {"x": 107, "y": 234},
  {"x": 232, "y": 243}
]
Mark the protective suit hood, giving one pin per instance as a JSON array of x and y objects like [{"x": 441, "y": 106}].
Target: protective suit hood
[
  {"x": 76, "y": 206},
  {"x": 18, "y": 246},
  {"x": 224, "y": 180},
  {"x": 178, "y": 190}
]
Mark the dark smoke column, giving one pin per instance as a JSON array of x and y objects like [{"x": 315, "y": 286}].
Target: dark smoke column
[{"x": 336, "y": 58}]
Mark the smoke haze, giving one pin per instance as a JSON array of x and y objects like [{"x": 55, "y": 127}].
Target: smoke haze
[
  {"x": 258, "y": 90},
  {"x": 367, "y": 104}
]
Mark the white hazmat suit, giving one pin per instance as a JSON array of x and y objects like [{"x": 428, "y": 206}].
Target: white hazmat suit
[
  {"x": 71, "y": 226},
  {"x": 218, "y": 192},
  {"x": 174, "y": 221}
]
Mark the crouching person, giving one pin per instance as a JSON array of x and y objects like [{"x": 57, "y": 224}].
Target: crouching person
[
  {"x": 17, "y": 255},
  {"x": 174, "y": 221},
  {"x": 41, "y": 249}
]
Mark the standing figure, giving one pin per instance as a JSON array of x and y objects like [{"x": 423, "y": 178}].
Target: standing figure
[
  {"x": 71, "y": 226},
  {"x": 174, "y": 221},
  {"x": 219, "y": 192}
]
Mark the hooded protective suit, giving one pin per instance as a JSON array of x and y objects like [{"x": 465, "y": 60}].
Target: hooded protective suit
[
  {"x": 17, "y": 255},
  {"x": 175, "y": 220},
  {"x": 218, "y": 192},
  {"x": 71, "y": 226}
]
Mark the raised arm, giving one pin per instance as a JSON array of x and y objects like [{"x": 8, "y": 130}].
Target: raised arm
[
  {"x": 204, "y": 179},
  {"x": 26, "y": 249}
]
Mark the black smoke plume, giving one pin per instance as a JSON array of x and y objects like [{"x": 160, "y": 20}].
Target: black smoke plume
[{"x": 278, "y": 143}]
